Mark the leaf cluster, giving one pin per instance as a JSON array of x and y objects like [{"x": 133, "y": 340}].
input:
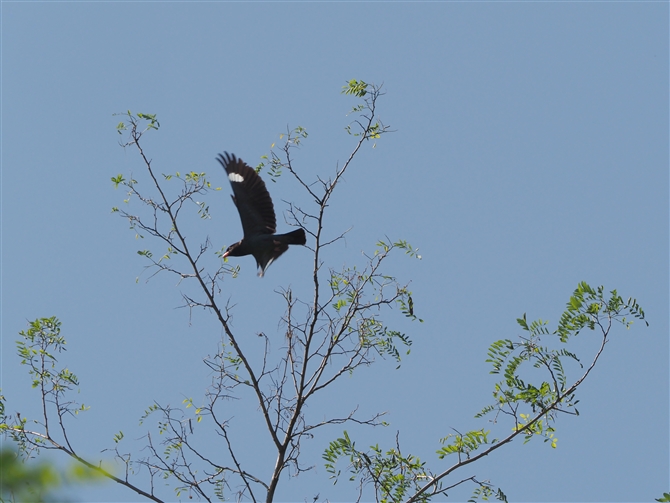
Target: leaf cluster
[
  {"x": 532, "y": 405},
  {"x": 393, "y": 475}
]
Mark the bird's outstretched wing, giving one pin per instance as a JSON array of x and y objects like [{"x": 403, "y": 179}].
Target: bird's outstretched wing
[{"x": 251, "y": 197}]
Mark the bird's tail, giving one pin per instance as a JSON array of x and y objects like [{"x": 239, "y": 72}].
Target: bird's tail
[{"x": 296, "y": 237}]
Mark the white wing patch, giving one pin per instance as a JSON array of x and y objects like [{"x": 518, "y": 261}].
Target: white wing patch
[{"x": 235, "y": 178}]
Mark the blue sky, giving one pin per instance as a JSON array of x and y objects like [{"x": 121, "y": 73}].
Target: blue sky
[{"x": 530, "y": 153}]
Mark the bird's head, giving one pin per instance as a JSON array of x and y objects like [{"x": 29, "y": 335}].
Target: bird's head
[{"x": 234, "y": 250}]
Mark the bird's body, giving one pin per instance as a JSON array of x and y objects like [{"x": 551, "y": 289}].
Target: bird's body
[{"x": 257, "y": 215}]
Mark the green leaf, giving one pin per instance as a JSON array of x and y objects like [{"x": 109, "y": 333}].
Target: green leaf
[
  {"x": 118, "y": 179},
  {"x": 355, "y": 87}
]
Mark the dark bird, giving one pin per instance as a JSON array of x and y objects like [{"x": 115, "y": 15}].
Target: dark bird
[{"x": 257, "y": 215}]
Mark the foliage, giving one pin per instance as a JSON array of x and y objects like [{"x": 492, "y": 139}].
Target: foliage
[
  {"x": 343, "y": 325},
  {"x": 329, "y": 336},
  {"x": 393, "y": 475},
  {"x": 38, "y": 349},
  {"x": 531, "y": 407},
  {"x": 20, "y": 482},
  {"x": 340, "y": 328}
]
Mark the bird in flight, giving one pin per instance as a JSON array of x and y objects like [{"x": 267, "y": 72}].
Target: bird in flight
[{"x": 257, "y": 215}]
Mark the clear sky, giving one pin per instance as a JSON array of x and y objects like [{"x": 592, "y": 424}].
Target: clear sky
[{"x": 530, "y": 153}]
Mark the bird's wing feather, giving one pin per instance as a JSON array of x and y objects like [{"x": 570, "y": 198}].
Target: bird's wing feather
[{"x": 251, "y": 196}]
